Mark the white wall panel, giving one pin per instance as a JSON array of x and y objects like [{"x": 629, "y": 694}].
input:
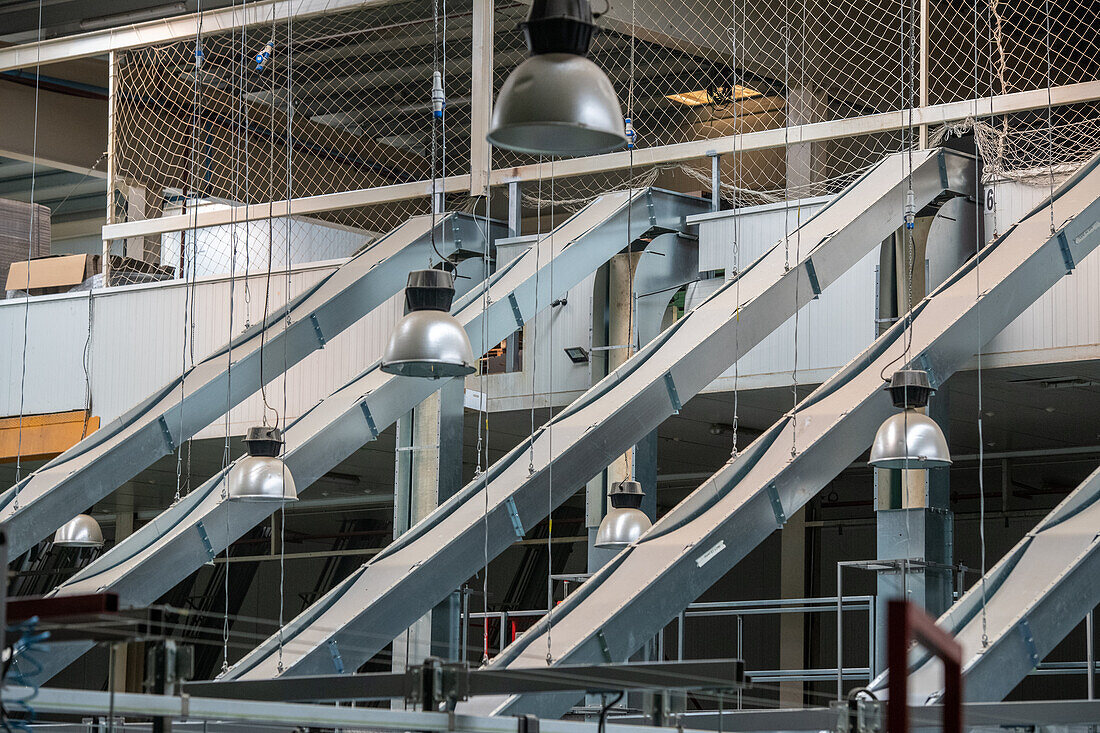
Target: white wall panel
[
  {"x": 138, "y": 345},
  {"x": 830, "y": 330},
  {"x": 1064, "y": 323}
]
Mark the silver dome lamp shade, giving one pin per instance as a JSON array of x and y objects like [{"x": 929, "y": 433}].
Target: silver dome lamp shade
[
  {"x": 80, "y": 531},
  {"x": 910, "y": 439},
  {"x": 624, "y": 521},
  {"x": 557, "y": 102},
  {"x": 262, "y": 476},
  {"x": 428, "y": 341}
]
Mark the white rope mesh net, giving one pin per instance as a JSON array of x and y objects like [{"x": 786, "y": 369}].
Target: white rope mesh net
[{"x": 359, "y": 90}]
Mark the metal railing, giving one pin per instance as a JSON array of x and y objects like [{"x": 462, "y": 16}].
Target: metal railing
[{"x": 738, "y": 610}]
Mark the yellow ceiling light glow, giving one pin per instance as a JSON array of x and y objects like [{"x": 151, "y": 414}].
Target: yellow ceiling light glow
[{"x": 694, "y": 99}]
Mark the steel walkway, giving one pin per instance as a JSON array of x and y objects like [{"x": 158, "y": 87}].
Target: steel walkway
[
  {"x": 97, "y": 465},
  {"x": 1034, "y": 596},
  {"x": 632, "y": 598},
  {"x": 363, "y": 614},
  {"x": 175, "y": 544}
]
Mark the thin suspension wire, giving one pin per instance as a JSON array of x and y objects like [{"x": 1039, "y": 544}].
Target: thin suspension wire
[
  {"x": 550, "y": 442},
  {"x": 737, "y": 172},
  {"x": 483, "y": 408},
  {"x": 31, "y": 232},
  {"x": 981, "y": 343},
  {"x": 286, "y": 307}
]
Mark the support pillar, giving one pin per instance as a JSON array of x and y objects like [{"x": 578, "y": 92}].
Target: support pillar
[
  {"x": 792, "y": 626},
  {"x": 914, "y": 518},
  {"x": 428, "y": 470},
  {"x": 807, "y": 166}
]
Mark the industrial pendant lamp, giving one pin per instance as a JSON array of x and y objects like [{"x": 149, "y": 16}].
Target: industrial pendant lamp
[
  {"x": 262, "y": 475},
  {"x": 80, "y": 531},
  {"x": 910, "y": 439},
  {"x": 557, "y": 102},
  {"x": 624, "y": 521},
  {"x": 428, "y": 341}
]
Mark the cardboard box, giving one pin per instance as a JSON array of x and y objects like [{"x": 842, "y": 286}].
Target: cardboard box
[
  {"x": 24, "y": 232},
  {"x": 57, "y": 274}
]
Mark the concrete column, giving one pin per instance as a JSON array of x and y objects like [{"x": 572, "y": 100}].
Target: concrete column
[
  {"x": 640, "y": 462},
  {"x": 428, "y": 470},
  {"x": 807, "y": 166},
  {"x": 792, "y": 626}
]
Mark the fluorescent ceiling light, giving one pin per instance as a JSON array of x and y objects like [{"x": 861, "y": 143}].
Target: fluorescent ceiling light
[{"x": 694, "y": 99}]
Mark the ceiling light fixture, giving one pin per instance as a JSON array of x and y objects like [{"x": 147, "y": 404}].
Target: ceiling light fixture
[
  {"x": 714, "y": 95},
  {"x": 262, "y": 475},
  {"x": 557, "y": 102},
  {"x": 910, "y": 439},
  {"x": 80, "y": 531},
  {"x": 429, "y": 341},
  {"x": 624, "y": 521}
]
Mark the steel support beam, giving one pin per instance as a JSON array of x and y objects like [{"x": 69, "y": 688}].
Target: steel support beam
[
  {"x": 193, "y": 531},
  {"x": 373, "y": 605},
  {"x": 177, "y": 28},
  {"x": 97, "y": 465},
  {"x": 1034, "y": 596},
  {"x": 699, "y": 541}
]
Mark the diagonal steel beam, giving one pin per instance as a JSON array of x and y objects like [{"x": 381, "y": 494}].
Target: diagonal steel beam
[
  {"x": 190, "y": 533},
  {"x": 386, "y": 595},
  {"x": 631, "y": 599},
  {"x": 156, "y": 427},
  {"x": 1033, "y": 597}
]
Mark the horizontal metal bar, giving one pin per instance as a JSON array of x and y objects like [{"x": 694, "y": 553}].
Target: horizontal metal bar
[
  {"x": 713, "y": 674},
  {"x": 95, "y": 43},
  {"x": 814, "y": 132},
  {"x": 297, "y": 207},
  {"x": 187, "y": 708},
  {"x": 746, "y": 142},
  {"x": 1012, "y": 714}
]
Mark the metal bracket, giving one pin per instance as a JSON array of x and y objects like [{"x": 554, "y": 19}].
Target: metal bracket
[
  {"x": 166, "y": 433},
  {"x": 317, "y": 329},
  {"x": 527, "y": 723},
  {"x": 337, "y": 660},
  {"x": 1067, "y": 256},
  {"x": 602, "y": 641},
  {"x": 513, "y": 514},
  {"x": 1029, "y": 641},
  {"x": 673, "y": 395},
  {"x": 515, "y": 309},
  {"x": 926, "y": 364},
  {"x": 650, "y": 209},
  {"x": 370, "y": 420},
  {"x": 205, "y": 539},
  {"x": 777, "y": 505},
  {"x": 811, "y": 273}
]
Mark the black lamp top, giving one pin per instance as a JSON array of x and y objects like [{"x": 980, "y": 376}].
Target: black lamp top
[
  {"x": 559, "y": 26},
  {"x": 626, "y": 494},
  {"x": 910, "y": 388},
  {"x": 263, "y": 441},
  {"x": 429, "y": 290}
]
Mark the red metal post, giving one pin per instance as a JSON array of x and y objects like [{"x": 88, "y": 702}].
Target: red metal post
[{"x": 907, "y": 623}]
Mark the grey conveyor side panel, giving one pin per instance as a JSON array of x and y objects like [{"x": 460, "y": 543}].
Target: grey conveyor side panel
[
  {"x": 651, "y": 581},
  {"x": 1034, "y": 596},
  {"x": 364, "y": 613},
  {"x": 177, "y": 542},
  {"x": 97, "y": 465}
]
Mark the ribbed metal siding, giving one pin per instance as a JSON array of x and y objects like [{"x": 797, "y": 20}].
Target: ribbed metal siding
[
  {"x": 138, "y": 346},
  {"x": 1066, "y": 317},
  {"x": 830, "y": 330}
]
